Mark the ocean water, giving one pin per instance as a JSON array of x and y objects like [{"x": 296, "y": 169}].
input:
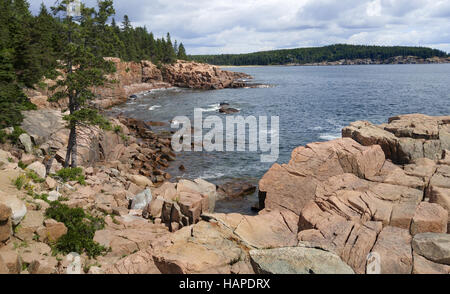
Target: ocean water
[{"x": 313, "y": 104}]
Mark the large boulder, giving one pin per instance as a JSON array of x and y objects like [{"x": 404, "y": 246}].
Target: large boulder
[
  {"x": 204, "y": 248},
  {"x": 138, "y": 263},
  {"x": 297, "y": 260},
  {"x": 29, "y": 225},
  {"x": 291, "y": 186},
  {"x": 141, "y": 181},
  {"x": 18, "y": 208},
  {"x": 5, "y": 223},
  {"x": 433, "y": 246},
  {"x": 429, "y": 217},
  {"x": 182, "y": 204},
  {"x": 38, "y": 168},
  {"x": 128, "y": 234},
  {"x": 394, "y": 248},
  {"x": 405, "y": 137},
  {"x": 25, "y": 139},
  {"x": 269, "y": 230},
  {"x": 141, "y": 200},
  {"x": 52, "y": 231}
]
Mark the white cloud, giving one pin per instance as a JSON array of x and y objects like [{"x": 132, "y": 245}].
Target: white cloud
[{"x": 239, "y": 26}]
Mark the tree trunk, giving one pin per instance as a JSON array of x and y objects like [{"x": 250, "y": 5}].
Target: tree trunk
[
  {"x": 69, "y": 148},
  {"x": 74, "y": 149}
]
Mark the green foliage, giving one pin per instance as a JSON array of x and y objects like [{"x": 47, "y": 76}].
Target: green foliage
[
  {"x": 20, "y": 182},
  {"x": 13, "y": 137},
  {"x": 3, "y": 137},
  {"x": 22, "y": 165},
  {"x": 33, "y": 176},
  {"x": 318, "y": 54},
  {"x": 81, "y": 228},
  {"x": 117, "y": 129},
  {"x": 72, "y": 174},
  {"x": 32, "y": 46},
  {"x": 182, "y": 52}
]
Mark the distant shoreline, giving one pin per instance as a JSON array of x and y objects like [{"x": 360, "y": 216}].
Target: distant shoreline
[{"x": 398, "y": 60}]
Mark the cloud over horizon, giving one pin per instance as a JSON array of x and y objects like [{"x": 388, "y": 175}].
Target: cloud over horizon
[{"x": 242, "y": 26}]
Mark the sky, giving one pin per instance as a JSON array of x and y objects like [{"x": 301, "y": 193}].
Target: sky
[{"x": 243, "y": 26}]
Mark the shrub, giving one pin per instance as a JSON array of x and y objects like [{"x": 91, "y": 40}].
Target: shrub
[
  {"x": 3, "y": 137},
  {"x": 20, "y": 182},
  {"x": 72, "y": 174},
  {"x": 34, "y": 176},
  {"x": 117, "y": 129},
  {"x": 81, "y": 228},
  {"x": 22, "y": 165}
]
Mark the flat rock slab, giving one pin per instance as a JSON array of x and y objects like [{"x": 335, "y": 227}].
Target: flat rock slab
[
  {"x": 394, "y": 248},
  {"x": 205, "y": 248},
  {"x": 297, "y": 260},
  {"x": 432, "y": 246}
]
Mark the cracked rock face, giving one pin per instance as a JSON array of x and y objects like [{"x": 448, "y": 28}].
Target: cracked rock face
[
  {"x": 406, "y": 137},
  {"x": 352, "y": 202}
]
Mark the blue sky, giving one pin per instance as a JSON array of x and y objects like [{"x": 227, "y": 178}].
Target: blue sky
[{"x": 241, "y": 26}]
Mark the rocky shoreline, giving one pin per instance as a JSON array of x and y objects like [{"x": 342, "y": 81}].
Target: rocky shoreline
[
  {"x": 380, "y": 191},
  {"x": 370, "y": 61},
  {"x": 331, "y": 206},
  {"x": 132, "y": 78}
]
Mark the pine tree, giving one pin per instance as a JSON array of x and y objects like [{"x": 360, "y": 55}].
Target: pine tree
[
  {"x": 45, "y": 37},
  {"x": 82, "y": 71},
  {"x": 169, "y": 55},
  {"x": 182, "y": 52}
]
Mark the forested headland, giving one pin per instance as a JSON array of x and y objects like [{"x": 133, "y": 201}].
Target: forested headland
[
  {"x": 31, "y": 46},
  {"x": 318, "y": 54}
]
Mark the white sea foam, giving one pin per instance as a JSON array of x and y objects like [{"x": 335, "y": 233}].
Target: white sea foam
[
  {"x": 211, "y": 108},
  {"x": 212, "y": 175},
  {"x": 154, "y": 107},
  {"x": 329, "y": 136}
]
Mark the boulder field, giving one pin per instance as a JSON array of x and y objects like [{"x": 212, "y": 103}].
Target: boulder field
[
  {"x": 375, "y": 201},
  {"x": 336, "y": 207}
]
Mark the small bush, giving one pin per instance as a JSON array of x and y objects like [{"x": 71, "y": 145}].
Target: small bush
[
  {"x": 81, "y": 228},
  {"x": 3, "y": 137},
  {"x": 117, "y": 129},
  {"x": 124, "y": 138},
  {"x": 34, "y": 176},
  {"x": 72, "y": 174},
  {"x": 22, "y": 165},
  {"x": 41, "y": 197},
  {"x": 20, "y": 182}
]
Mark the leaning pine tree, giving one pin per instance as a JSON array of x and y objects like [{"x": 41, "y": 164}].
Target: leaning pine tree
[{"x": 81, "y": 68}]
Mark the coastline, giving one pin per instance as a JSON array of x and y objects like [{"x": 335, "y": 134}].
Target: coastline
[
  {"x": 368, "y": 61},
  {"x": 371, "y": 191}
]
